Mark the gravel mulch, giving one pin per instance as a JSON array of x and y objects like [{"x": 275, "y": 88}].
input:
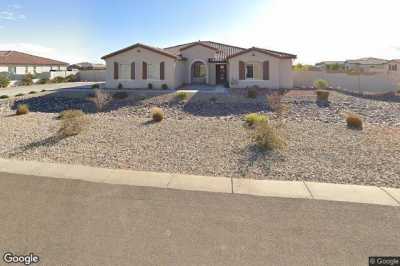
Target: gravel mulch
[{"x": 207, "y": 137}]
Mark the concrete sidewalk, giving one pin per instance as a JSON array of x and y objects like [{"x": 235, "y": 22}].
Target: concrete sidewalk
[{"x": 265, "y": 188}]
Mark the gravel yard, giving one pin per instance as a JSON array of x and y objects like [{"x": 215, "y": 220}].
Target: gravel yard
[{"x": 206, "y": 137}]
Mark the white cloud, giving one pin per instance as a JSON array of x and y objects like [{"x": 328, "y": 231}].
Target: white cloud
[
  {"x": 323, "y": 30},
  {"x": 40, "y": 50},
  {"x": 9, "y": 15}
]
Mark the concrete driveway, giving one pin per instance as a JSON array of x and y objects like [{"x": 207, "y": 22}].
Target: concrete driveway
[
  {"x": 11, "y": 91},
  {"x": 70, "y": 222}
]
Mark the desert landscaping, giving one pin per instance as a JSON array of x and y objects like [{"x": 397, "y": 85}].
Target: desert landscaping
[{"x": 206, "y": 134}]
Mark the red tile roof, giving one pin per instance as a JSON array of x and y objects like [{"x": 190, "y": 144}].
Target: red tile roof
[
  {"x": 18, "y": 58},
  {"x": 151, "y": 48}
]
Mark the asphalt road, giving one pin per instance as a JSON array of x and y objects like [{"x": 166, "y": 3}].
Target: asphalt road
[{"x": 69, "y": 222}]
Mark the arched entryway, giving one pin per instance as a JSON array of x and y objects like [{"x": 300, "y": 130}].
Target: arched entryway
[{"x": 198, "y": 72}]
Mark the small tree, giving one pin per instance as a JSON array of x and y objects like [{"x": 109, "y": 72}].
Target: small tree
[
  {"x": 321, "y": 84},
  {"x": 100, "y": 99},
  {"x": 27, "y": 80},
  {"x": 4, "y": 81}
]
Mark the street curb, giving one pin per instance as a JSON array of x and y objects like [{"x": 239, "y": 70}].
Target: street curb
[{"x": 264, "y": 188}]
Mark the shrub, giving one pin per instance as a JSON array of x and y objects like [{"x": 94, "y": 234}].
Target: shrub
[
  {"x": 22, "y": 109},
  {"x": 150, "y": 86},
  {"x": 274, "y": 101},
  {"x": 270, "y": 136},
  {"x": 4, "y": 81},
  {"x": 354, "y": 121},
  {"x": 32, "y": 92},
  {"x": 43, "y": 81},
  {"x": 100, "y": 99},
  {"x": 120, "y": 95},
  {"x": 226, "y": 84},
  {"x": 96, "y": 86},
  {"x": 181, "y": 95},
  {"x": 120, "y": 86},
  {"x": 322, "y": 95},
  {"x": 42, "y": 90},
  {"x": 164, "y": 86},
  {"x": 27, "y": 80},
  {"x": 321, "y": 84},
  {"x": 252, "y": 119},
  {"x": 19, "y": 95},
  {"x": 67, "y": 114},
  {"x": 72, "y": 126},
  {"x": 58, "y": 80},
  {"x": 71, "y": 78},
  {"x": 157, "y": 114},
  {"x": 252, "y": 93},
  {"x": 4, "y": 96}
]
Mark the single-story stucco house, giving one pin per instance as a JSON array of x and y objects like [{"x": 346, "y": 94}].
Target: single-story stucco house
[
  {"x": 202, "y": 62},
  {"x": 18, "y": 63}
]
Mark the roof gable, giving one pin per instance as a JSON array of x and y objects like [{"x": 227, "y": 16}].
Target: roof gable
[
  {"x": 150, "y": 48},
  {"x": 198, "y": 44},
  {"x": 265, "y": 51}
]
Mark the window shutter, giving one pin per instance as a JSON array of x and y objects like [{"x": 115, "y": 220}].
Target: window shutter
[
  {"x": 162, "y": 71},
  {"x": 115, "y": 70},
  {"x": 133, "y": 70},
  {"x": 241, "y": 71},
  {"x": 266, "y": 70},
  {"x": 144, "y": 70}
]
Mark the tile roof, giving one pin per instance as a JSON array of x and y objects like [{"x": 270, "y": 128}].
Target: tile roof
[
  {"x": 223, "y": 51},
  {"x": 367, "y": 61},
  {"x": 18, "y": 58}
]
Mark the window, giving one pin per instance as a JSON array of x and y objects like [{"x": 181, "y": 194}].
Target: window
[
  {"x": 124, "y": 71},
  {"x": 12, "y": 70},
  {"x": 199, "y": 70},
  {"x": 249, "y": 71},
  {"x": 153, "y": 71},
  {"x": 393, "y": 67}
]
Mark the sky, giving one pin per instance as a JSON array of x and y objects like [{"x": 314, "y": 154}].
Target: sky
[{"x": 314, "y": 30}]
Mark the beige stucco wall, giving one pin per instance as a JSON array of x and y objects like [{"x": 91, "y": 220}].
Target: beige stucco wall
[
  {"x": 140, "y": 55},
  {"x": 280, "y": 71},
  {"x": 198, "y": 53}
]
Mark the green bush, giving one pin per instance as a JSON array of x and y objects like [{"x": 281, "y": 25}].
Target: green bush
[
  {"x": 181, "y": 95},
  {"x": 4, "y": 81},
  {"x": 43, "y": 81},
  {"x": 322, "y": 95},
  {"x": 4, "y": 96},
  {"x": 150, "y": 86},
  {"x": 354, "y": 121},
  {"x": 27, "y": 80},
  {"x": 19, "y": 95},
  {"x": 32, "y": 92},
  {"x": 321, "y": 84},
  {"x": 71, "y": 78},
  {"x": 58, "y": 80},
  {"x": 96, "y": 86},
  {"x": 22, "y": 109},
  {"x": 253, "y": 118},
  {"x": 42, "y": 90},
  {"x": 252, "y": 94},
  {"x": 157, "y": 114},
  {"x": 120, "y": 95},
  {"x": 164, "y": 86},
  {"x": 270, "y": 136}
]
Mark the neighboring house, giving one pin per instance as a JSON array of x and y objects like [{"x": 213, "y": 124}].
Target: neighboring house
[
  {"x": 15, "y": 63},
  {"x": 330, "y": 65},
  {"x": 394, "y": 65},
  {"x": 86, "y": 66},
  {"x": 367, "y": 64},
  {"x": 202, "y": 62}
]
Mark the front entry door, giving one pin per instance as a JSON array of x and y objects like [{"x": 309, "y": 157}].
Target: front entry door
[{"x": 220, "y": 74}]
